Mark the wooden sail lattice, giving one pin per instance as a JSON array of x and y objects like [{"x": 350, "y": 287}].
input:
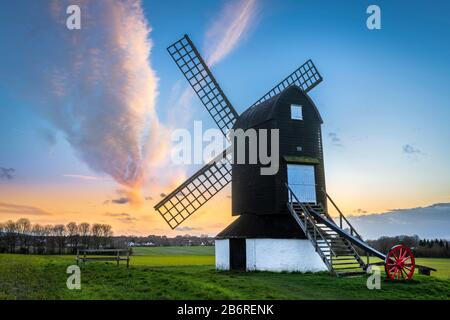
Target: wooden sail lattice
[
  {"x": 197, "y": 190},
  {"x": 191, "y": 64},
  {"x": 306, "y": 77}
]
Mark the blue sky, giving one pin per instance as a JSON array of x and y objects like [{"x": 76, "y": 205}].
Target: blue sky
[
  {"x": 384, "y": 99},
  {"x": 382, "y": 90}
]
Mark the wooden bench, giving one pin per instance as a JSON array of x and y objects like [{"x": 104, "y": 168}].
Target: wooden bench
[
  {"x": 111, "y": 255},
  {"x": 425, "y": 270}
]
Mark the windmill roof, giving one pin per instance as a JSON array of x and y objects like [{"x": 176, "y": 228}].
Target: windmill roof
[
  {"x": 267, "y": 110},
  {"x": 272, "y": 226}
]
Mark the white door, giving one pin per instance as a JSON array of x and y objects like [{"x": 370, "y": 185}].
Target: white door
[{"x": 301, "y": 180}]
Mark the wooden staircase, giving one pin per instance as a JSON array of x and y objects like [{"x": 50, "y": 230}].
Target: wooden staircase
[
  {"x": 341, "y": 257},
  {"x": 335, "y": 249},
  {"x": 334, "y": 243}
]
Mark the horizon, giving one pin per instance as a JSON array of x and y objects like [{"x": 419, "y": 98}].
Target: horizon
[
  {"x": 86, "y": 117},
  {"x": 356, "y": 219}
]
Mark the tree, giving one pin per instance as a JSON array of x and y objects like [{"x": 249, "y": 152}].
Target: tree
[
  {"x": 83, "y": 230},
  {"x": 38, "y": 238},
  {"x": 11, "y": 235},
  {"x": 49, "y": 239},
  {"x": 59, "y": 232},
  {"x": 106, "y": 233},
  {"x": 72, "y": 232},
  {"x": 96, "y": 231},
  {"x": 3, "y": 245},
  {"x": 23, "y": 229}
]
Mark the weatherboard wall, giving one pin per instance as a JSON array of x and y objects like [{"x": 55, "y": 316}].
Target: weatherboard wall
[
  {"x": 276, "y": 255},
  {"x": 300, "y": 142},
  {"x": 222, "y": 249}
]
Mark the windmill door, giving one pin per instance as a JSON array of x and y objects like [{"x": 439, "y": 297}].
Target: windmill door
[
  {"x": 238, "y": 254},
  {"x": 302, "y": 181}
]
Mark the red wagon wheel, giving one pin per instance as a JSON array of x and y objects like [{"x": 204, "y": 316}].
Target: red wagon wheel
[{"x": 400, "y": 263}]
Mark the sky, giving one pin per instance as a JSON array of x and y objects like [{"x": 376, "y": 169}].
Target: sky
[{"x": 86, "y": 115}]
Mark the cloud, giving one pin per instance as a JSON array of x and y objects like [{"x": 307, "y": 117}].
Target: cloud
[
  {"x": 427, "y": 222},
  {"x": 6, "y": 173},
  {"x": 360, "y": 211},
  {"x": 409, "y": 149},
  {"x": 223, "y": 36},
  {"x": 185, "y": 229},
  {"x": 117, "y": 214},
  {"x": 12, "y": 209},
  {"x": 47, "y": 135},
  {"x": 335, "y": 139},
  {"x": 95, "y": 85},
  {"x": 122, "y": 217},
  {"x": 228, "y": 29},
  {"x": 122, "y": 200},
  {"x": 82, "y": 177}
]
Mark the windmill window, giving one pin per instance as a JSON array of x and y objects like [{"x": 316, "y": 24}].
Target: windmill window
[{"x": 296, "y": 112}]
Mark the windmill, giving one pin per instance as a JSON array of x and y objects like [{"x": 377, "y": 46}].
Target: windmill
[
  {"x": 181, "y": 203},
  {"x": 283, "y": 222}
]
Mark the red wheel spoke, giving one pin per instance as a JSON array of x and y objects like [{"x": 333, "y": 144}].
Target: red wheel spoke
[
  {"x": 406, "y": 259},
  {"x": 399, "y": 263},
  {"x": 395, "y": 256},
  {"x": 405, "y": 254},
  {"x": 400, "y": 255},
  {"x": 404, "y": 274}
]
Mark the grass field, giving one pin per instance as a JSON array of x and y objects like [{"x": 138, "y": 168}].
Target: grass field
[{"x": 188, "y": 273}]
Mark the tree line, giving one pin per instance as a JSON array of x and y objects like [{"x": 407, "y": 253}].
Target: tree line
[
  {"x": 22, "y": 236},
  {"x": 430, "y": 248}
]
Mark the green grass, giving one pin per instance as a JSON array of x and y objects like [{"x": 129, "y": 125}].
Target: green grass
[
  {"x": 183, "y": 251},
  {"x": 188, "y": 273},
  {"x": 173, "y": 256},
  {"x": 441, "y": 265}
]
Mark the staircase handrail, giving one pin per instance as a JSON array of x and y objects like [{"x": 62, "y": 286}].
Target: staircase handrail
[
  {"x": 306, "y": 213},
  {"x": 342, "y": 217}
]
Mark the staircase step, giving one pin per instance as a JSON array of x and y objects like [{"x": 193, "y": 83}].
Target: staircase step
[
  {"x": 338, "y": 253},
  {"x": 348, "y": 269},
  {"x": 334, "y": 247},
  {"x": 346, "y": 263},
  {"x": 350, "y": 274},
  {"x": 343, "y": 258}
]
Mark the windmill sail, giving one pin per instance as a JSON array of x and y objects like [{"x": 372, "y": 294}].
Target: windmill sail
[
  {"x": 203, "y": 82},
  {"x": 197, "y": 190},
  {"x": 306, "y": 77},
  {"x": 213, "y": 177}
]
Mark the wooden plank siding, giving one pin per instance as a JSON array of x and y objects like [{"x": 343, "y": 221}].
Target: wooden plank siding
[{"x": 253, "y": 193}]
